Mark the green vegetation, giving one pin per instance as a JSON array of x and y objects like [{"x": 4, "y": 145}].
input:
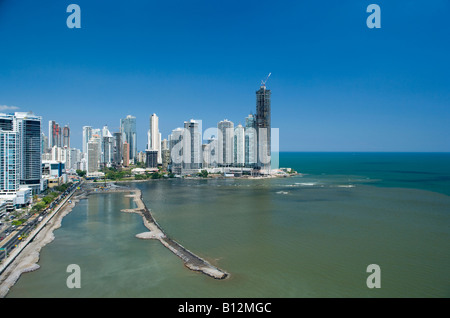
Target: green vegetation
[
  {"x": 145, "y": 176},
  {"x": 52, "y": 194},
  {"x": 38, "y": 207},
  {"x": 115, "y": 174},
  {"x": 81, "y": 173},
  {"x": 18, "y": 222},
  {"x": 203, "y": 174},
  {"x": 156, "y": 175}
]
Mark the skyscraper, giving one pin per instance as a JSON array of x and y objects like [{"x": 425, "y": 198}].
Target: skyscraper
[
  {"x": 44, "y": 142},
  {"x": 107, "y": 147},
  {"x": 126, "y": 154},
  {"x": 154, "y": 137},
  {"x": 9, "y": 156},
  {"x": 66, "y": 136},
  {"x": 87, "y": 135},
  {"x": 128, "y": 129},
  {"x": 54, "y": 134},
  {"x": 117, "y": 148},
  {"x": 239, "y": 146},
  {"x": 29, "y": 128},
  {"x": 263, "y": 126},
  {"x": 176, "y": 150},
  {"x": 93, "y": 154},
  {"x": 225, "y": 142},
  {"x": 251, "y": 150},
  {"x": 193, "y": 155}
]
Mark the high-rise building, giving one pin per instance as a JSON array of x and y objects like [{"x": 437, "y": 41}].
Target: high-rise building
[
  {"x": 93, "y": 154},
  {"x": 151, "y": 158},
  {"x": 66, "y": 136},
  {"x": 239, "y": 146},
  {"x": 74, "y": 159},
  {"x": 29, "y": 128},
  {"x": 9, "y": 156},
  {"x": 193, "y": 155},
  {"x": 87, "y": 135},
  {"x": 154, "y": 137},
  {"x": 225, "y": 142},
  {"x": 107, "y": 147},
  {"x": 209, "y": 150},
  {"x": 176, "y": 150},
  {"x": 54, "y": 134},
  {"x": 126, "y": 154},
  {"x": 44, "y": 143},
  {"x": 251, "y": 149},
  {"x": 117, "y": 148},
  {"x": 263, "y": 126},
  {"x": 128, "y": 129}
]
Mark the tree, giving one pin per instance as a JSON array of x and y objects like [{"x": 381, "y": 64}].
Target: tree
[
  {"x": 38, "y": 207},
  {"x": 155, "y": 175},
  {"x": 203, "y": 174},
  {"x": 81, "y": 173}
]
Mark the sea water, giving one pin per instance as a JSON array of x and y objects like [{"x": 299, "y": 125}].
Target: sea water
[{"x": 311, "y": 235}]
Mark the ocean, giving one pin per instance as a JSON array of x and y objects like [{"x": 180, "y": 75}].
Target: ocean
[{"x": 310, "y": 235}]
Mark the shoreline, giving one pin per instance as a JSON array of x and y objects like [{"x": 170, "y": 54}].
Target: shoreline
[{"x": 26, "y": 261}]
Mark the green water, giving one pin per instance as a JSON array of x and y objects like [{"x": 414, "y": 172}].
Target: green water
[{"x": 312, "y": 235}]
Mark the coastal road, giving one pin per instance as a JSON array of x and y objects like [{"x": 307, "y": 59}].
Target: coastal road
[{"x": 17, "y": 236}]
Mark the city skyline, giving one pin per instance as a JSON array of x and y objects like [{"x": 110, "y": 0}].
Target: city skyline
[{"x": 339, "y": 88}]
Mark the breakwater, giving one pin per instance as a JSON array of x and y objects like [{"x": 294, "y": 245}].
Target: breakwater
[{"x": 191, "y": 261}]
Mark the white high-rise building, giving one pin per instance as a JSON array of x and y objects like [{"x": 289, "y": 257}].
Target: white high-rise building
[
  {"x": 9, "y": 156},
  {"x": 225, "y": 142},
  {"x": 107, "y": 147},
  {"x": 239, "y": 146},
  {"x": 251, "y": 150},
  {"x": 154, "y": 137},
  {"x": 87, "y": 134},
  {"x": 193, "y": 159},
  {"x": 176, "y": 152},
  {"x": 93, "y": 154}
]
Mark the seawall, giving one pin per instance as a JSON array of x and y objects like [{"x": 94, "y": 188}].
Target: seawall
[{"x": 191, "y": 261}]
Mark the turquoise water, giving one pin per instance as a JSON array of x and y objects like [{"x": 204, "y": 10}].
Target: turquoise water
[
  {"x": 426, "y": 171},
  {"x": 311, "y": 235}
]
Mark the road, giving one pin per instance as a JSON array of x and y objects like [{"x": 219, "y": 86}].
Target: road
[{"x": 17, "y": 235}]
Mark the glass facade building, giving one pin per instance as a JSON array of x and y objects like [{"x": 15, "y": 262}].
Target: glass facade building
[
  {"x": 30, "y": 158},
  {"x": 9, "y": 157},
  {"x": 128, "y": 130}
]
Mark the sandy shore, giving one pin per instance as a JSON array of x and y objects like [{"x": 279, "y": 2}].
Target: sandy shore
[{"x": 27, "y": 260}]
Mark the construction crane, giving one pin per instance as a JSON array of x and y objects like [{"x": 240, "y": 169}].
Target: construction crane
[{"x": 263, "y": 83}]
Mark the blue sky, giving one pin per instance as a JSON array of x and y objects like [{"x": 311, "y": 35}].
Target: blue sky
[{"x": 336, "y": 84}]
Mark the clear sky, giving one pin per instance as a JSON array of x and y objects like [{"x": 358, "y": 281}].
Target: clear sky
[{"x": 336, "y": 84}]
